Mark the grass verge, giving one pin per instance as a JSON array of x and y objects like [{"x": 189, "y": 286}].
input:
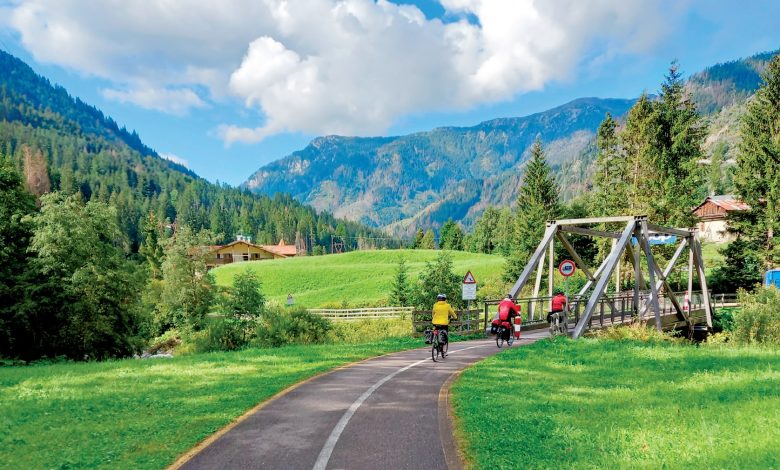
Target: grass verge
[
  {"x": 621, "y": 404},
  {"x": 143, "y": 414}
]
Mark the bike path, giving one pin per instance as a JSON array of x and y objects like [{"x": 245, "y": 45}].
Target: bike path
[{"x": 382, "y": 413}]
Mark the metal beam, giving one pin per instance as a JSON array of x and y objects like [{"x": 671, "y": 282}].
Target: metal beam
[
  {"x": 577, "y": 259},
  {"x": 589, "y": 232},
  {"x": 537, "y": 285},
  {"x": 651, "y": 268},
  {"x": 546, "y": 239},
  {"x": 567, "y": 244},
  {"x": 669, "y": 268},
  {"x": 705, "y": 292},
  {"x": 594, "y": 220},
  {"x": 609, "y": 266},
  {"x": 668, "y": 231}
]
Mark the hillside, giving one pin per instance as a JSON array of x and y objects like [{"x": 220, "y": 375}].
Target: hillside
[
  {"x": 67, "y": 145},
  {"x": 424, "y": 178},
  {"x": 358, "y": 277}
]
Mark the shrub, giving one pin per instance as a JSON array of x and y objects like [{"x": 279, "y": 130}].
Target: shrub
[
  {"x": 758, "y": 321},
  {"x": 281, "y": 326},
  {"x": 637, "y": 331}
]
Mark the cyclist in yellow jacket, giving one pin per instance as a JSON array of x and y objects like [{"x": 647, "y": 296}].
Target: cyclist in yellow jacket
[{"x": 442, "y": 312}]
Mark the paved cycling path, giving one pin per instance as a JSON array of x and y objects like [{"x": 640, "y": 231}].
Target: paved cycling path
[{"x": 383, "y": 413}]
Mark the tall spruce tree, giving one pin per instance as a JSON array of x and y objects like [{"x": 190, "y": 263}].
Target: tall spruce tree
[
  {"x": 679, "y": 134},
  {"x": 757, "y": 175},
  {"x": 610, "y": 179},
  {"x": 537, "y": 201}
]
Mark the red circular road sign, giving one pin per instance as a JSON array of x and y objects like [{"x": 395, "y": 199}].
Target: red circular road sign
[{"x": 567, "y": 268}]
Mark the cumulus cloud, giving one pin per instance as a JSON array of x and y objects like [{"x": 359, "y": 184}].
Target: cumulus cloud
[{"x": 331, "y": 66}]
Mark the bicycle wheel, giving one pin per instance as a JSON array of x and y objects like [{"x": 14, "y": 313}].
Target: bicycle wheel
[
  {"x": 500, "y": 337},
  {"x": 435, "y": 348},
  {"x": 565, "y": 328},
  {"x": 444, "y": 348}
]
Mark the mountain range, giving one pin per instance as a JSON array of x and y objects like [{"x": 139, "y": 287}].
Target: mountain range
[{"x": 420, "y": 180}]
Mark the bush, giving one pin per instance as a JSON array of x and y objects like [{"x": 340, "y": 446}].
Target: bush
[
  {"x": 281, "y": 326},
  {"x": 637, "y": 331},
  {"x": 758, "y": 321}
]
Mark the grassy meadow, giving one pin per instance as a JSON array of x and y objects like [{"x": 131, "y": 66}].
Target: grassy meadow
[
  {"x": 354, "y": 278},
  {"x": 143, "y": 414},
  {"x": 621, "y": 404}
]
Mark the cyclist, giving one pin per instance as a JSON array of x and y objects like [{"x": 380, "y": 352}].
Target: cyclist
[
  {"x": 507, "y": 311},
  {"x": 557, "y": 305},
  {"x": 442, "y": 312}
]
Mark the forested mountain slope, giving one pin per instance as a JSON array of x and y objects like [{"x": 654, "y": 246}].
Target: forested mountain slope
[
  {"x": 61, "y": 143},
  {"x": 424, "y": 178}
]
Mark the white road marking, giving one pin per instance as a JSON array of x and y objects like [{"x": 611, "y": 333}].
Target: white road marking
[{"x": 330, "y": 444}]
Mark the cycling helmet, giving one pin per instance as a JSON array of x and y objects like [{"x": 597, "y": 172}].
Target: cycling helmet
[
  {"x": 558, "y": 292},
  {"x": 508, "y": 296},
  {"x": 441, "y": 297}
]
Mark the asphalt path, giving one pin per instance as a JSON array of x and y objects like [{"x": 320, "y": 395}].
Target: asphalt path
[{"x": 383, "y": 413}]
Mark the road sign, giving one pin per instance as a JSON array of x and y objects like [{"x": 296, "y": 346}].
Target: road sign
[
  {"x": 469, "y": 291},
  {"x": 658, "y": 239},
  {"x": 567, "y": 268}
]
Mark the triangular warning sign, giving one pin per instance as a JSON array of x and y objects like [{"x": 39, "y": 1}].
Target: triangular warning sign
[{"x": 469, "y": 278}]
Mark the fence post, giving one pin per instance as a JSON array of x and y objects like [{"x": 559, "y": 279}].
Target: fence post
[{"x": 484, "y": 328}]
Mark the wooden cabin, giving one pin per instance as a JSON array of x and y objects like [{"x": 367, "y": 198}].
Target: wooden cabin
[{"x": 712, "y": 214}]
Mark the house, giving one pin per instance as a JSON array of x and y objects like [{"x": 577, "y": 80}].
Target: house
[
  {"x": 242, "y": 249},
  {"x": 712, "y": 214}
]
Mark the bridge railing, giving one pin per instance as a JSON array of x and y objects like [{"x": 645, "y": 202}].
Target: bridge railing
[{"x": 468, "y": 322}]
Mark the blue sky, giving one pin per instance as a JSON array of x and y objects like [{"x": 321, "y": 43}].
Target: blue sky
[{"x": 229, "y": 86}]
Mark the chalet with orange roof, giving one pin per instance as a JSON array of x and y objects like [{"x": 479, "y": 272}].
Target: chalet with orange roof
[{"x": 242, "y": 250}]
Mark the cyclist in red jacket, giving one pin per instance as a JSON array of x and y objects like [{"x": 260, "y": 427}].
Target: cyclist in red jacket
[
  {"x": 557, "y": 305},
  {"x": 507, "y": 311}
]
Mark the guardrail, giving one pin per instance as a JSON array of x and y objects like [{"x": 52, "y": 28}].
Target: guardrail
[{"x": 361, "y": 313}]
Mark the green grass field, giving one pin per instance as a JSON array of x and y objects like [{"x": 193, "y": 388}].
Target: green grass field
[
  {"x": 357, "y": 278},
  {"x": 621, "y": 404},
  {"x": 143, "y": 414}
]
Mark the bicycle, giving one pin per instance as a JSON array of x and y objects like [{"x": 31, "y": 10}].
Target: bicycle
[
  {"x": 439, "y": 344},
  {"x": 504, "y": 331},
  {"x": 558, "y": 324}
]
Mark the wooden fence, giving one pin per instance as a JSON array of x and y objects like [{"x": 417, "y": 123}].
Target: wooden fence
[
  {"x": 362, "y": 313},
  {"x": 468, "y": 322}
]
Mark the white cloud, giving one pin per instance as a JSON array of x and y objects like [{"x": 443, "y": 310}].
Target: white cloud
[
  {"x": 331, "y": 66},
  {"x": 175, "y": 159},
  {"x": 173, "y": 101}
]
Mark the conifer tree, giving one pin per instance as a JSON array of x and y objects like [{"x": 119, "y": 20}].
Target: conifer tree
[
  {"x": 610, "y": 179},
  {"x": 428, "y": 242},
  {"x": 400, "y": 290},
  {"x": 757, "y": 175},
  {"x": 537, "y": 202}
]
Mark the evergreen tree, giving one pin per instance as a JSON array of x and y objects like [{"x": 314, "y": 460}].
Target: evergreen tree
[
  {"x": 151, "y": 247},
  {"x": 484, "y": 237},
  {"x": 537, "y": 202},
  {"x": 400, "y": 290},
  {"x": 716, "y": 177},
  {"x": 243, "y": 303},
  {"x": 610, "y": 179},
  {"x": 757, "y": 175},
  {"x": 418, "y": 237},
  {"x": 438, "y": 277},
  {"x": 428, "y": 242},
  {"x": 16, "y": 204},
  {"x": 637, "y": 142},
  {"x": 741, "y": 268},
  {"x": 450, "y": 236},
  {"x": 677, "y": 176}
]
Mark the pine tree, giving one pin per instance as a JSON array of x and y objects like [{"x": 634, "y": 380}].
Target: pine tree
[
  {"x": 537, "y": 202},
  {"x": 757, "y": 175},
  {"x": 428, "y": 242},
  {"x": 450, "y": 236},
  {"x": 610, "y": 179},
  {"x": 636, "y": 139},
  {"x": 151, "y": 247},
  {"x": 400, "y": 290},
  {"x": 418, "y": 237}
]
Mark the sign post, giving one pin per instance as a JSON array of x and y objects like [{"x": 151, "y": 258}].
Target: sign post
[{"x": 469, "y": 290}]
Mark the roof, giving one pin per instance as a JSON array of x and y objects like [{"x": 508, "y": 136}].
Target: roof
[
  {"x": 281, "y": 249},
  {"x": 728, "y": 202}
]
